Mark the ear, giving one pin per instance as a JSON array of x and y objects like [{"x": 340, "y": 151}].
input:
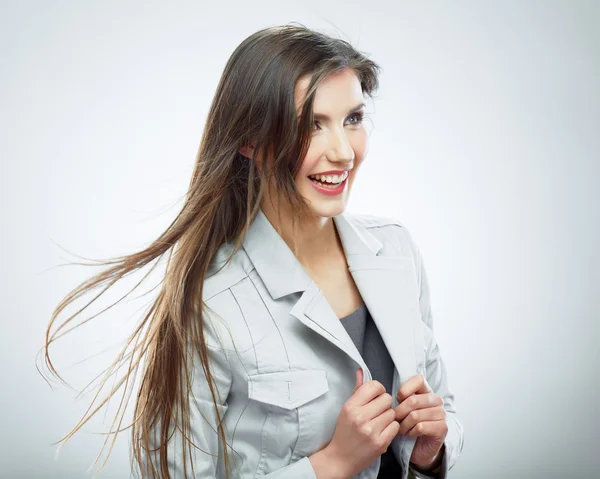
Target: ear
[{"x": 247, "y": 151}]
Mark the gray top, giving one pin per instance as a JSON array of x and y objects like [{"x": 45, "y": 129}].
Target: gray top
[{"x": 365, "y": 335}]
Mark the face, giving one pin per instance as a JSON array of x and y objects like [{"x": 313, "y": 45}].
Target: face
[{"x": 338, "y": 145}]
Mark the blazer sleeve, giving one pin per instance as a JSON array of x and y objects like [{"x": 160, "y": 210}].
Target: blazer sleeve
[
  {"x": 436, "y": 376},
  {"x": 203, "y": 419},
  {"x": 301, "y": 469}
]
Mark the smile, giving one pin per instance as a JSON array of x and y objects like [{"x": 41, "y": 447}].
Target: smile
[
  {"x": 329, "y": 188},
  {"x": 331, "y": 179}
]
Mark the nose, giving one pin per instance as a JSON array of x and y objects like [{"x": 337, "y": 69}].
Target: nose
[{"x": 340, "y": 149}]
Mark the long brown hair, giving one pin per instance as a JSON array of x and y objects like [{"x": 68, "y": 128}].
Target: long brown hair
[{"x": 253, "y": 105}]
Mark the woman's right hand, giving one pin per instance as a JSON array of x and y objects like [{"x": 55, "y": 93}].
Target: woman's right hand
[{"x": 365, "y": 427}]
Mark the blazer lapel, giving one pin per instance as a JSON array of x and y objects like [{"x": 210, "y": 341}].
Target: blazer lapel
[
  {"x": 282, "y": 275},
  {"x": 313, "y": 310},
  {"x": 388, "y": 286}
]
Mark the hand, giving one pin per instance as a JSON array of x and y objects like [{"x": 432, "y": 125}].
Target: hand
[
  {"x": 365, "y": 427},
  {"x": 421, "y": 414}
]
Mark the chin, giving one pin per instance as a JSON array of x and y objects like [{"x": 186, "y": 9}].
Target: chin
[
  {"x": 323, "y": 209},
  {"x": 325, "y": 206}
]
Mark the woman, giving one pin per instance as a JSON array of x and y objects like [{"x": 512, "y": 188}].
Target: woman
[{"x": 313, "y": 354}]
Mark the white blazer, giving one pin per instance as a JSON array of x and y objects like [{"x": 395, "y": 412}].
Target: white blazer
[{"x": 285, "y": 365}]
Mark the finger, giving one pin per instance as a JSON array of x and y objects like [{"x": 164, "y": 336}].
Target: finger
[
  {"x": 429, "y": 428},
  {"x": 377, "y": 406},
  {"x": 367, "y": 392},
  {"x": 413, "y": 385},
  {"x": 390, "y": 431},
  {"x": 389, "y": 428},
  {"x": 417, "y": 401},
  {"x": 359, "y": 378},
  {"x": 421, "y": 415}
]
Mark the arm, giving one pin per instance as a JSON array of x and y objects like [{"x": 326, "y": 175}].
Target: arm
[
  {"x": 320, "y": 465},
  {"x": 325, "y": 467},
  {"x": 437, "y": 378},
  {"x": 204, "y": 432},
  {"x": 204, "y": 425},
  {"x": 432, "y": 472},
  {"x": 317, "y": 466}
]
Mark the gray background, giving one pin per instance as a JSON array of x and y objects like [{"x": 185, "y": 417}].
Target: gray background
[{"x": 485, "y": 144}]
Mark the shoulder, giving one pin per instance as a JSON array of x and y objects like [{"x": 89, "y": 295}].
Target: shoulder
[
  {"x": 226, "y": 269},
  {"x": 224, "y": 317},
  {"x": 370, "y": 221},
  {"x": 390, "y": 231},
  {"x": 394, "y": 236},
  {"x": 232, "y": 294}
]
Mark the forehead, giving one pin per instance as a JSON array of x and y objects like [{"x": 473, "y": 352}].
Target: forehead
[{"x": 338, "y": 91}]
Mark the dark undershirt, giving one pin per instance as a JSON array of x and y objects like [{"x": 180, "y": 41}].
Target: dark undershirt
[{"x": 365, "y": 335}]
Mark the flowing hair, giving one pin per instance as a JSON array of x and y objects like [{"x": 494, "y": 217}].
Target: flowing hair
[{"x": 253, "y": 105}]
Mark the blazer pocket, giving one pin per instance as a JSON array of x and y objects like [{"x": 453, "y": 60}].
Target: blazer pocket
[
  {"x": 288, "y": 389},
  {"x": 289, "y": 398}
]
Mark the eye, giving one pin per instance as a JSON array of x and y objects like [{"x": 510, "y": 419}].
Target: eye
[{"x": 358, "y": 118}]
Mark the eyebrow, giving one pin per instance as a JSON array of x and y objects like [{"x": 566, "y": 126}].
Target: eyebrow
[{"x": 323, "y": 117}]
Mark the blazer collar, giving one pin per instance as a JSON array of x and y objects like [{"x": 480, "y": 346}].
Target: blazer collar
[{"x": 271, "y": 255}]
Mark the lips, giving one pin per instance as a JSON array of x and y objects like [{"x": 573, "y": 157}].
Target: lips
[
  {"x": 331, "y": 190},
  {"x": 330, "y": 177}
]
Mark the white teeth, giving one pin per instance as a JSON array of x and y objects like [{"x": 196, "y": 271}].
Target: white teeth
[{"x": 333, "y": 179}]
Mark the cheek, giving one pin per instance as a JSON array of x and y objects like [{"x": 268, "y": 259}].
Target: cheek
[
  {"x": 309, "y": 163},
  {"x": 360, "y": 143}
]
